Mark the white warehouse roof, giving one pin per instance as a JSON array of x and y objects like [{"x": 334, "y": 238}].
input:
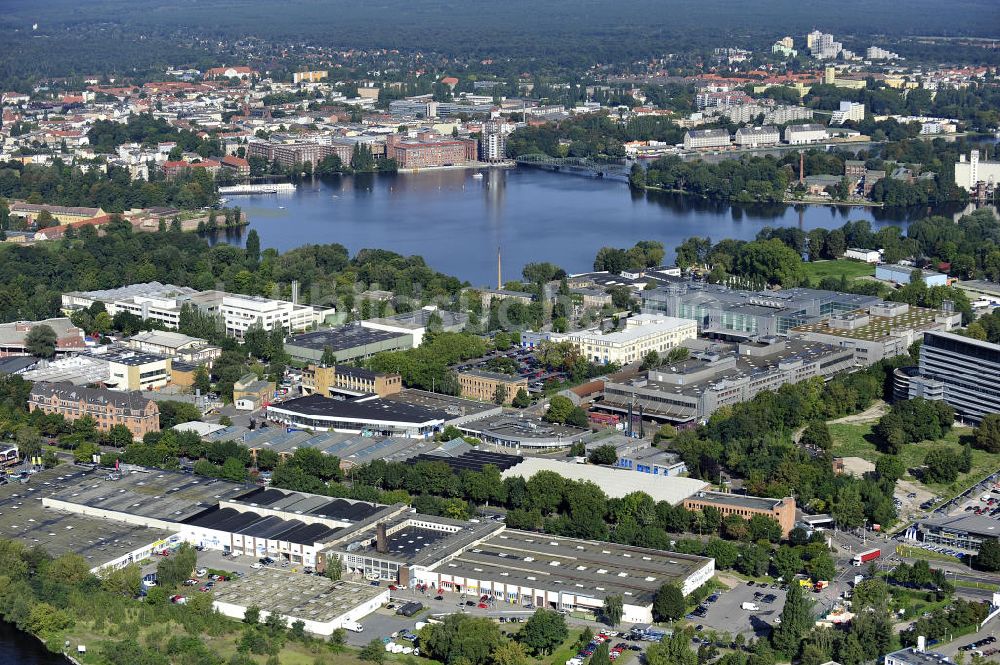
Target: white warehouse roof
[{"x": 616, "y": 483}]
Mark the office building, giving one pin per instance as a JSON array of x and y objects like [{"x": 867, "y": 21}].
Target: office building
[
  {"x": 781, "y": 510},
  {"x": 721, "y": 375},
  {"x": 808, "y": 133},
  {"x": 251, "y": 393},
  {"x": 235, "y": 313},
  {"x": 754, "y": 137},
  {"x": 107, "y": 407},
  {"x": 962, "y": 371},
  {"x": 643, "y": 333},
  {"x": 343, "y": 379},
  {"x": 13, "y": 337},
  {"x": 848, "y": 111},
  {"x": 696, "y": 139},
  {"x": 484, "y": 386},
  {"x": 969, "y": 173},
  {"x": 136, "y": 370},
  {"x": 346, "y": 343},
  {"x": 883, "y": 331},
  {"x": 738, "y": 314},
  {"x": 898, "y": 274}
]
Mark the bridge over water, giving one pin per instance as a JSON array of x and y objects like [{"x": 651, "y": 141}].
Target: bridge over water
[{"x": 576, "y": 166}]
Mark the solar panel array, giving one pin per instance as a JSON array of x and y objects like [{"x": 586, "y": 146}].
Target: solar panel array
[{"x": 473, "y": 460}]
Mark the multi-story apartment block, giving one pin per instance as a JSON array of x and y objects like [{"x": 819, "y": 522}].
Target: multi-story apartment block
[
  {"x": 643, "y": 333},
  {"x": 477, "y": 384},
  {"x": 848, "y": 111},
  {"x": 707, "y": 138},
  {"x": 107, "y": 407},
  {"x": 493, "y": 141},
  {"x": 309, "y": 77}
]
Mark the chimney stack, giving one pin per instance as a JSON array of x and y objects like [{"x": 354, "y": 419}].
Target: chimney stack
[{"x": 381, "y": 540}]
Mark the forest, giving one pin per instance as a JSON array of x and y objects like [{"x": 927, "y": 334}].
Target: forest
[{"x": 112, "y": 190}]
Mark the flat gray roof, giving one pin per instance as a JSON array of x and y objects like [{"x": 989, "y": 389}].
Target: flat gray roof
[
  {"x": 99, "y": 541},
  {"x": 577, "y": 566},
  {"x": 738, "y": 500},
  {"x": 307, "y": 597}
]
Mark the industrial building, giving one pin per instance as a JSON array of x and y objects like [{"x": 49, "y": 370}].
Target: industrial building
[
  {"x": 515, "y": 431},
  {"x": 369, "y": 541},
  {"x": 13, "y": 336},
  {"x": 883, "y": 331},
  {"x": 718, "y": 375},
  {"x": 754, "y": 137},
  {"x": 729, "y": 313},
  {"x": 616, "y": 483},
  {"x": 417, "y": 322},
  {"x": 807, "y": 133},
  {"x": 346, "y": 343},
  {"x": 781, "y": 510},
  {"x": 962, "y": 371},
  {"x": 903, "y": 274},
  {"x": 370, "y": 415},
  {"x": 321, "y": 605},
  {"x": 185, "y": 348},
  {"x": 969, "y": 173}
]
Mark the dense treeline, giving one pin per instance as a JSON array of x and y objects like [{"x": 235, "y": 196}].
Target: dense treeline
[
  {"x": 109, "y": 187},
  {"x": 106, "y": 135},
  {"x": 32, "y": 278},
  {"x": 749, "y": 179}
]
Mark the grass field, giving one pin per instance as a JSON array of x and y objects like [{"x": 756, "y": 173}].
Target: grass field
[
  {"x": 855, "y": 440},
  {"x": 817, "y": 270}
]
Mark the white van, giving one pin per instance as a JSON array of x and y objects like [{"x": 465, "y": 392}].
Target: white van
[
  {"x": 352, "y": 626},
  {"x": 750, "y": 607}
]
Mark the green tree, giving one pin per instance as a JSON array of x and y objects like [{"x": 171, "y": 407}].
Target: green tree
[
  {"x": 253, "y": 249},
  {"x": 987, "y": 435},
  {"x": 890, "y": 467},
  {"x": 668, "y": 605},
  {"x": 500, "y": 394},
  {"x": 543, "y": 632},
  {"x": 510, "y": 653},
  {"x": 796, "y": 620},
  {"x": 664, "y": 433},
  {"x": 119, "y": 436},
  {"x": 125, "y": 581},
  {"x": 41, "y": 341},
  {"x": 559, "y": 409},
  {"x": 521, "y": 399},
  {"x": 461, "y": 638},
  {"x": 602, "y": 655},
  {"x": 202, "y": 380},
  {"x": 605, "y": 455},
  {"x": 614, "y": 608},
  {"x": 787, "y": 563},
  {"x": 251, "y": 615},
  {"x": 817, "y": 435},
  {"x": 373, "y": 652},
  {"x": 989, "y": 556}
]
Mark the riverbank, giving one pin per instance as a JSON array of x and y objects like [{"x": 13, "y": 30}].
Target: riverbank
[{"x": 460, "y": 167}]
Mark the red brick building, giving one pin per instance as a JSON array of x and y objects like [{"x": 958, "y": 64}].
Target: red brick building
[
  {"x": 174, "y": 169},
  {"x": 237, "y": 164},
  {"x": 107, "y": 407},
  {"x": 426, "y": 152}
]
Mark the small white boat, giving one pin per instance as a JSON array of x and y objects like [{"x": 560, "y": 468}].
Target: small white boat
[
  {"x": 477, "y": 175},
  {"x": 281, "y": 207}
]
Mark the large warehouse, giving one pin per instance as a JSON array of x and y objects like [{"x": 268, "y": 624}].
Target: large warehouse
[
  {"x": 369, "y": 541},
  {"x": 369, "y": 415}
]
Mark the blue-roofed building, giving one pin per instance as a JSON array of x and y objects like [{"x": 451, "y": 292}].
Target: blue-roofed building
[{"x": 898, "y": 274}]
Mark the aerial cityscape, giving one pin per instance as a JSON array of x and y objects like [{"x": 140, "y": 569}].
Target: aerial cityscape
[{"x": 651, "y": 332}]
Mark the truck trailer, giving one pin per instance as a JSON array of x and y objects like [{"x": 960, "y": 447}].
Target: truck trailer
[{"x": 866, "y": 556}]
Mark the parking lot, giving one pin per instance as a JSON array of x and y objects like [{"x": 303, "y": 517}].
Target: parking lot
[
  {"x": 520, "y": 362},
  {"x": 726, "y": 615}
]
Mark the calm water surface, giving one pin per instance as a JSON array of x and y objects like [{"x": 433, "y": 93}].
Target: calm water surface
[
  {"x": 456, "y": 221},
  {"x": 17, "y": 648}
]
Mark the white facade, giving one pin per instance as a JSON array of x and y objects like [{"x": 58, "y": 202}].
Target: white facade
[
  {"x": 643, "y": 333},
  {"x": 752, "y": 137},
  {"x": 969, "y": 172},
  {"x": 866, "y": 255},
  {"x": 848, "y": 111},
  {"x": 799, "y": 134},
  {"x": 706, "y": 138}
]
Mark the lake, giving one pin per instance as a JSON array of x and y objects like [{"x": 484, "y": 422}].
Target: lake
[
  {"x": 456, "y": 221},
  {"x": 17, "y": 648}
]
